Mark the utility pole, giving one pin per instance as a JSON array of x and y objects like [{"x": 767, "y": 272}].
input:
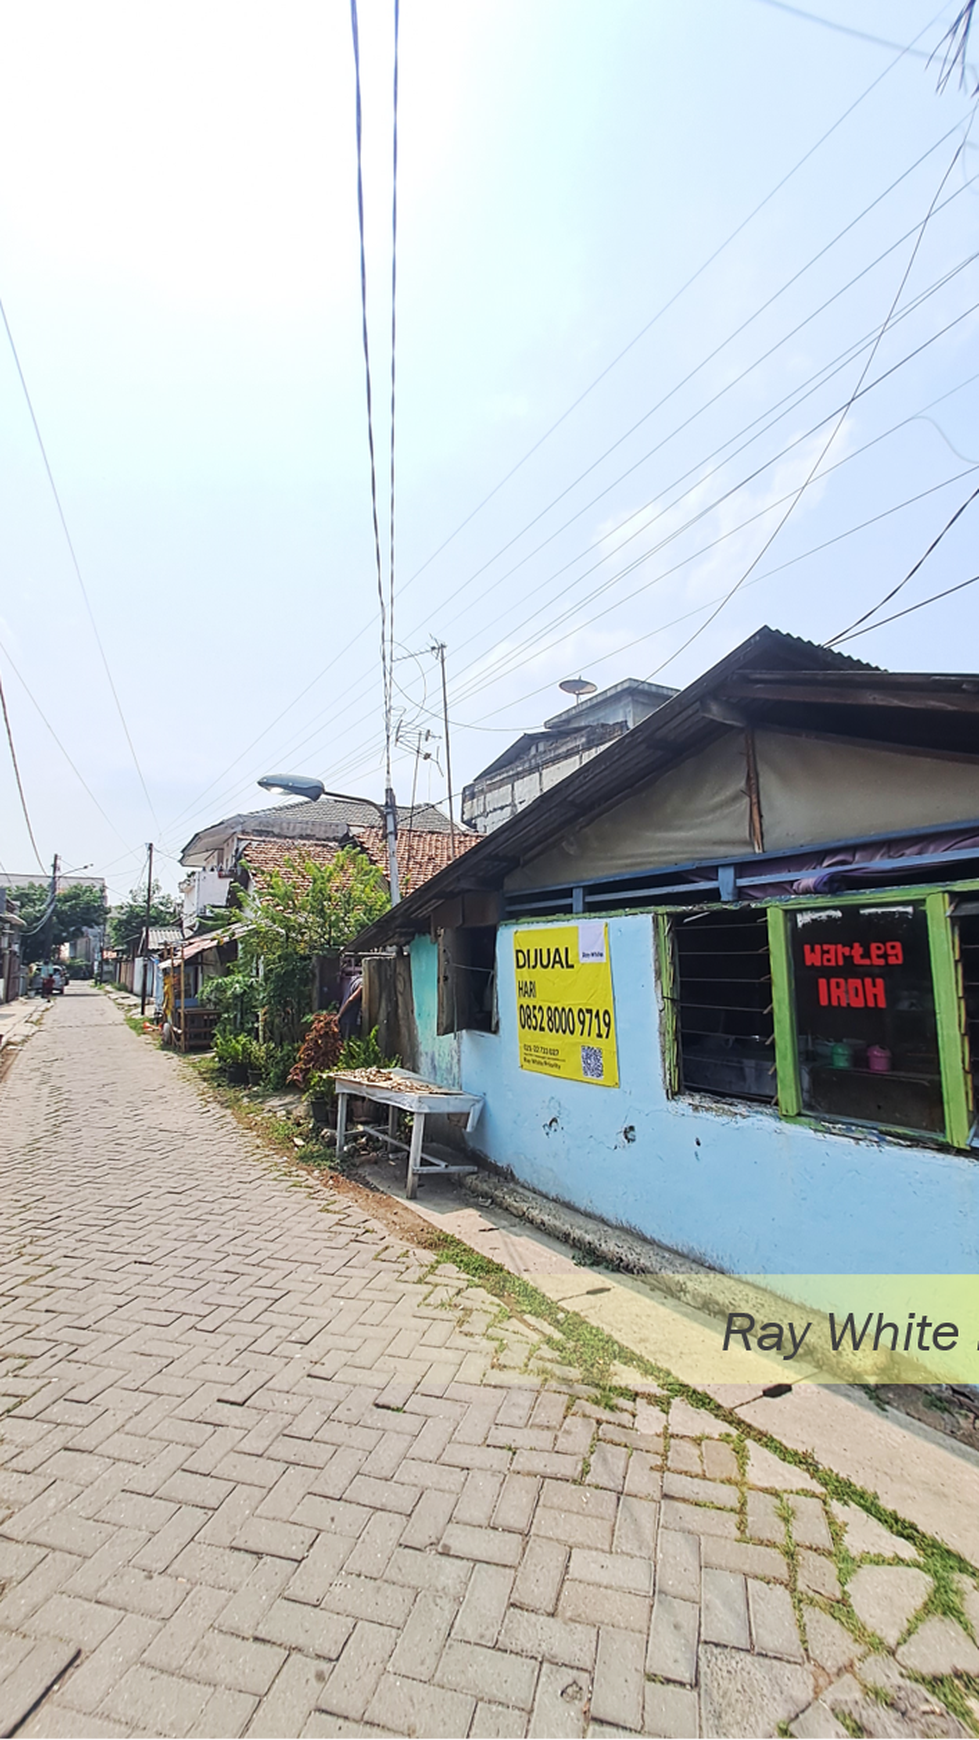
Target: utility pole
[
  {"x": 391, "y": 836},
  {"x": 49, "y": 921},
  {"x": 146, "y": 933},
  {"x": 438, "y": 648}
]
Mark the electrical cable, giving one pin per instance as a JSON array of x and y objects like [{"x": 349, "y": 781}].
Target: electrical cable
[
  {"x": 20, "y": 783},
  {"x": 913, "y": 607},
  {"x": 75, "y": 563},
  {"x": 355, "y": 758},
  {"x": 783, "y": 407},
  {"x": 355, "y": 33},
  {"x": 535, "y": 646},
  {"x": 956, "y": 42},
  {"x": 766, "y": 546},
  {"x": 769, "y": 573},
  {"x": 757, "y": 579},
  {"x": 672, "y": 300},
  {"x": 845, "y": 633},
  {"x": 666, "y": 306},
  {"x": 844, "y": 29},
  {"x": 710, "y": 507},
  {"x": 791, "y": 400},
  {"x": 46, "y": 721},
  {"x": 715, "y": 353},
  {"x": 394, "y": 333}
]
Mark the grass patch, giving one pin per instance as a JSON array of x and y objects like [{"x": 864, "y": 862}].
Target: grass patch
[
  {"x": 850, "y": 1723},
  {"x": 595, "y": 1354},
  {"x": 955, "y": 1692}
]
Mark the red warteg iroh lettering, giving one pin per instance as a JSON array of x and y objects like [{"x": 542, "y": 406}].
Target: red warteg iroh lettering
[
  {"x": 852, "y": 993},
  {"x": 876, "y": 954}
]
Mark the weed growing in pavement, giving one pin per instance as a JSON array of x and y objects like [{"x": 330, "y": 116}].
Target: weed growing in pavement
[
  {"x": 279, "y": 1132},
  {"x": 959, "y": 1693},
  {"x": 850, "y": 1723},
  {"x": 596, "y": 1354}
]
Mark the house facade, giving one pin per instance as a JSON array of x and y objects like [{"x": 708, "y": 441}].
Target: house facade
[
  {"x": 721, "y": 986},
  {"x": 233, "y": 850},
  {"x": 539, "y": 760},
  {"x": 12, "y": 928}
]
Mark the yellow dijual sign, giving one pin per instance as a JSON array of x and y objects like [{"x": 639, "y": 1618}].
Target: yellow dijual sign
[{"x": 565, "y": 1012}]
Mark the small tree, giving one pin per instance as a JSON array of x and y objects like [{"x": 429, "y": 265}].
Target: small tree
[
  {"x": 304, "y": 910},
  {"x": 126, "y": 922}
]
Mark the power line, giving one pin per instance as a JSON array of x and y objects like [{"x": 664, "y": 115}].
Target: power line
[
  {"x": 74, "y": 559},
  {"x": 20, "y": 783},
  {"x": 713, "y": 355},
  {"x": 766, "y": 546},
  {"x": 666, "y": 306},
  {"x": 846, "y": 633},
  {"x": 688, "y": 283},
  {"x": 846, "y": 29},
  {"x": 913, "y": 607},
  {"x": 789, "y": 401},
  {"x": 355, "y": 33},
  {"x": 768, "y": 574},
  {"x": 46, "y": 721},
  {"x": 710, "y": 507},
  {"x": 356, "y": 757},
  {"x": 783, "y": 407},
  {"x": 394, "y": 328}
]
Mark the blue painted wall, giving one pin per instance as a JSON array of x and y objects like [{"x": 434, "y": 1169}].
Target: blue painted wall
[
  {"x": 438, "y": 1054},
  {"x": 735, "y": 1186}
]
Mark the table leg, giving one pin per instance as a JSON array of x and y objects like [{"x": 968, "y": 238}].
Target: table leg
[
  {"x": 392, "y": 1121},
  {"x": 341, "y": 1121},
  {"x": 414, "y": 1155}
]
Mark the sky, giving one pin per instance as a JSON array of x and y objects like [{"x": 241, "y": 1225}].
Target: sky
[{"x": 687, "y": 342}]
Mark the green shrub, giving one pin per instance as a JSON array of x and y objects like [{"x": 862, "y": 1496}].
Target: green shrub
[
  {"x": 235, "y": 996},
  {"x": 364, "y": 1054},
  {"x": 320, "y": 1050},
  {"x": 277, "y": 1065},
  {"x": 232, "y": 1051}
]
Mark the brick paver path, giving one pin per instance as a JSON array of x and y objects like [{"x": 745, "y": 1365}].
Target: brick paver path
[{"x": 264, "y": 1472}]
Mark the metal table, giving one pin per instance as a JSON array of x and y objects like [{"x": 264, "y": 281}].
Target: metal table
[{"x": 407, "y": 1092}]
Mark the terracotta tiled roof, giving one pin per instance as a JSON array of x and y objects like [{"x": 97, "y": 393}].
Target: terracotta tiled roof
[
  {"x": 420, "y": 852},
  {"x": 262, "y": 857}
]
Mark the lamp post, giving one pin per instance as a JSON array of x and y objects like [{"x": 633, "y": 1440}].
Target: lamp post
[
  {"x": 294, "y": 785},
  {"x": 298, "y": 785}
]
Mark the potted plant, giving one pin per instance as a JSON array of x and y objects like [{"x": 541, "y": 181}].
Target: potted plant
[
  {"x": 231, "y": 1053},
  {"x": 321, "y": 1098},
  {"x": 254, "y": 1062}
]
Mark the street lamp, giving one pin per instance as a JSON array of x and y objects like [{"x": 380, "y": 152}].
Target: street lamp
[{"x": 295, "y": 785}]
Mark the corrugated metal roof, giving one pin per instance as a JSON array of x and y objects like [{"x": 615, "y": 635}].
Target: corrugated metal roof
[
  {"x": 163, "y": 936},
  {"x": 680, "y": 727},
  {"x": 199, "y": 945}
]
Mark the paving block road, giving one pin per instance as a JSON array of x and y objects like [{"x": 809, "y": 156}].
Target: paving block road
[{"x": 267, "y": 1469}]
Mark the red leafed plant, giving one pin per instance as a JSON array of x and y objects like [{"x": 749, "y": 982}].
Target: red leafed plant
[{"x": 320, "y": 1050}]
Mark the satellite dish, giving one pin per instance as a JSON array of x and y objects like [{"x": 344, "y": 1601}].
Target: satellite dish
[{"x": 578, "y": 687}]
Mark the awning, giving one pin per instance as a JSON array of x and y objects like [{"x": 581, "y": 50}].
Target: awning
[{"x": 199, "y": 945}]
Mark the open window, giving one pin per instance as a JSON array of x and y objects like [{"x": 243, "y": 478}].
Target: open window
[
  {"x": 967, "y": 950},
  {"x": 866, "y": 1024},
  {"x": 467, "y": 979},
  {"x": 724, "y": 1023}
]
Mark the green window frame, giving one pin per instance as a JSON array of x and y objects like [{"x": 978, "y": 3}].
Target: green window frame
[{"x": 947, "y": 983}]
